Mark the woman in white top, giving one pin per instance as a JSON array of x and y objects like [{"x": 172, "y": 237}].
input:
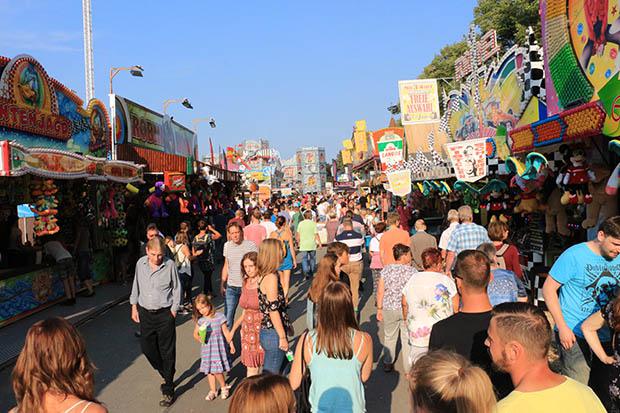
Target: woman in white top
[
  {"x": 428, "y": 297},
  {"x": 183, "y": 258},
  {"x": 53, "y": 373},
  {"x": 375, "y": 256}
]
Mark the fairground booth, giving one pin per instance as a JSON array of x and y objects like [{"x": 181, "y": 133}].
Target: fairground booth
[{"x": 54, "y": 177}]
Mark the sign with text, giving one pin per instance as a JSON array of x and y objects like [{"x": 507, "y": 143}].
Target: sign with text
[
  {"x": 469, "y": 159},
  {"x": 390, "y": 149},
  {"x": 419, "y": 101}
]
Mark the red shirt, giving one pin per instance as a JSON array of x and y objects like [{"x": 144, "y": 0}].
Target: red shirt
[{"x": 511, "y": 257}]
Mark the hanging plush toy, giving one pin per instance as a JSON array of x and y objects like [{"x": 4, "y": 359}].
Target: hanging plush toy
[
  {"x": 575, "y": 176},
  {"x": 495, "y": 204},
  {"x": 603, "y": 205},
  {"x": 530, "y": 197},
  {"x": 155, "y": 202},
  {"x": 614, "y": 178}
]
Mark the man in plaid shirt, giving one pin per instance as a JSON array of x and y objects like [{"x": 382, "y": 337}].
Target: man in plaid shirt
[{"x": 466, "y": 236}]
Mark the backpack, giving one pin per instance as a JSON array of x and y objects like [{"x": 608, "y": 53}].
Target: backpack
[{"x": 499, "y": 256}]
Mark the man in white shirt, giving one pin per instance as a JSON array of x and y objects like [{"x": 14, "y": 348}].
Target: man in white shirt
[
  {"x": 268, "y": 224},
  {"x": 453, "y": 220}
]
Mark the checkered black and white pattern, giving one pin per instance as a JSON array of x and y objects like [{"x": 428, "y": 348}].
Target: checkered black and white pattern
[
  {"x": 422, "y": 160},
  {"x": 437, "y": 159}
]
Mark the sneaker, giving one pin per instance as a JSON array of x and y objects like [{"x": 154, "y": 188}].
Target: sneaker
[
  {"x": 166, "y": 400},
  {"x": 225, "y": 392},
  {"x": 211, "y": 396},
  {"x": 184, "y": 311}
]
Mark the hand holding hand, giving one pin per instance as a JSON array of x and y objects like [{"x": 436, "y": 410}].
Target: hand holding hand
[{"x": 231, "y": 345}]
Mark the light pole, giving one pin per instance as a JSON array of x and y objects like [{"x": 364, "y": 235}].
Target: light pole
[
  {"x": 89, "y": 71},
  {"x": 182, "y": 101},
  {"x": 195, "y": 123},
  {"x": 135, "y": 71}
]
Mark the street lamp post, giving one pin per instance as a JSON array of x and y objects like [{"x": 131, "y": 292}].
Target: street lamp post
[
  {"x": 182, "y": 101},
  {"x": 135, "y": 71},
  {"x": 195, "y": 123}
]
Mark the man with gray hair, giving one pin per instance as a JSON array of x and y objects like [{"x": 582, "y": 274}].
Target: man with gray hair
[
  {"x": 453, "y": 222},
  {"x": 467, "y": 236}
]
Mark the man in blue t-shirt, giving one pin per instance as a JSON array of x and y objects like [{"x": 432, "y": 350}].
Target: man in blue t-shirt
[{"x": 587, "y": 276}]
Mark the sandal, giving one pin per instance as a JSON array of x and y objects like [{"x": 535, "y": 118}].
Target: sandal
[
  {"x": 225, "y": 392},
  {"x": 211, "y": 396}
]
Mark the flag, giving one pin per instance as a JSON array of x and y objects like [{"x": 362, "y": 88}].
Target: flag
[{"x": 211, "y": 149}]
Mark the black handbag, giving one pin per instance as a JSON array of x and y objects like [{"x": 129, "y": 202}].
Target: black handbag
[{"x": 302, "y": 394}]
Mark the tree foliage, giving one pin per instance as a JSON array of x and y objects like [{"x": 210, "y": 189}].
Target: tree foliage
[
  {"x": 510, "y": 18},
  {"x": 442, "y": 65}
]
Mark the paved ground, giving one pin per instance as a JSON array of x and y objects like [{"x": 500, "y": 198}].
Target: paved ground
[{"x": 125, "y": 381}]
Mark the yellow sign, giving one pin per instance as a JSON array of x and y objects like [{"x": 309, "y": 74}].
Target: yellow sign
[
  {"x": 419, "y": 101},
  {"x": 400, "y": 182},
  {"x": 346, "y": 157},
  {"x": 347, "y": 144},
  {"x": 361, "y": 142},
  {"x": 360, "y": 125}
]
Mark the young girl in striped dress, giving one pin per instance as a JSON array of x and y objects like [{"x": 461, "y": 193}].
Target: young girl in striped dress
[{"x": 211, "y": 331}]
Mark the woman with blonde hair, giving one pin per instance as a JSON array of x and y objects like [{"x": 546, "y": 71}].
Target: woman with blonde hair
[
  {"x": 272, "y": 304},
  {"x": 53, "y": 373},
  {"x": 445, "y": 382},
  {"x": 265, "y": 393},
  {"x": 183, "y": 258},
  {"x": 337, "y": 353}
]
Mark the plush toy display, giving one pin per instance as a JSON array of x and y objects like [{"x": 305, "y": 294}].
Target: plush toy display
[
  {"x": 614, "y": 178},
  {"x": 495, "y": 205},
  {"x": 603, "y": 205},
  {"x": 575, "y": 175},
  {"x": 556, "y": 219},
  {"x": 45, "y": 206},
  {"x": 155, "y": 202},
  {"x": 530, "y": 197}
]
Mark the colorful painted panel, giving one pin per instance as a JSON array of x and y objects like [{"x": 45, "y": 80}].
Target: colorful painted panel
[
  {"x": 26, "y": 292},
  {"x": 38, "y": 111}
]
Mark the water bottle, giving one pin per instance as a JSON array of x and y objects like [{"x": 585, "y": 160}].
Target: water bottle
[{"x": 290, "y": 356}]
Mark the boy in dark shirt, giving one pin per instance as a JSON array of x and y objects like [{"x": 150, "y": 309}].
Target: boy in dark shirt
[{"x": 466, "y": 331}]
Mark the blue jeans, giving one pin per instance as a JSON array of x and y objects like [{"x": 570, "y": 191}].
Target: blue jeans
[
  {"x": 230, "y": 304},
  {"x": 308, "y": 262},
  {"x": 270, "y": 342}
]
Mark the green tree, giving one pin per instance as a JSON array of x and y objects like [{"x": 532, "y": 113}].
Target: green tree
[
  {"x": 442, "y": 65},
  {"x": 510, "y": 18}
]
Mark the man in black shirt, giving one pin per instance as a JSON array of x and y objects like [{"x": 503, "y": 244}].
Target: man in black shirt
[{"x": 466, "y": 331}]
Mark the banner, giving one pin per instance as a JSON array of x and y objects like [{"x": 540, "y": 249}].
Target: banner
[
  {"x": 346, "y": 157},
  {"x": 400, "y": 182},
  {"x": 379, "y": 134},
  {"x": 469, "y": 159},
  {"x": 143, "y": 127},
  {"x": 419, "y": 101},
  {"x": 390, "y": 149},
  {"x": 360, "y": 125},
  {"x": 347, "y": 144},
  {"x": 361, "y": 144}
]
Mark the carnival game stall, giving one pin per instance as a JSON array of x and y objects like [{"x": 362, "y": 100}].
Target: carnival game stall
[{"x": 52, "y": 162}]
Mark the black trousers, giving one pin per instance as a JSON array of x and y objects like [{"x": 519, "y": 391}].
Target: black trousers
[{"x": 158, "y": 344}]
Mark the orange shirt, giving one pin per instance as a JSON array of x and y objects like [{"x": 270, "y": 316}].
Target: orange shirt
[{"x": 388, "y": 240}]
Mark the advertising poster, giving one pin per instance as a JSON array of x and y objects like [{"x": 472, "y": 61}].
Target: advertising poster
[
  {"x": 469, "y": 159},
  {"x": 347, "y": 144},
  {"x": 419, "y": 101},
  {"x": 360, "y": 125},
  {"x": 400, "y": 182},
  {"x": 390, "y": 149}
]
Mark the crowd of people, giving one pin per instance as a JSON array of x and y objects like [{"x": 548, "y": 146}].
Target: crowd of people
[{"x": 456, "y": 301}]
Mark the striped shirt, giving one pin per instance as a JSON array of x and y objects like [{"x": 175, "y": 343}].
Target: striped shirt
[
  {"x": 233, "y": 254},
  {"x": 354, "y": 241},
  {"x": 467, "y": 237}
]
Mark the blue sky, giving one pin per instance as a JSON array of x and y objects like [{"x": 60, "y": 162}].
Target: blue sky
[{"x": 296, "y": 73}]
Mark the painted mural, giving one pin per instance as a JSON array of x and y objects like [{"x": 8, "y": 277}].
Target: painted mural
[
  {"x": 38, "y": 111},
  {"x": 499, "y": 95}
]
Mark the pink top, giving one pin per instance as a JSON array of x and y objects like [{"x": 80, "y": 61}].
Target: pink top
[{"x": 255, "y": 233}]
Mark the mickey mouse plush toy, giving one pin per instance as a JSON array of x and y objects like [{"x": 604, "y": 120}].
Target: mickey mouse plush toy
[{"x": 573, "y": 178}]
